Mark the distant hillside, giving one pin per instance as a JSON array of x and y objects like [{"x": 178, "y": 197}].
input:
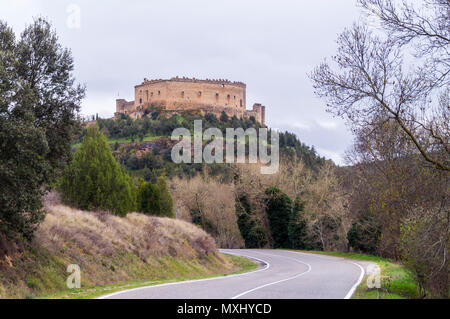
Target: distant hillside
[{"x": 143, "y": 146}]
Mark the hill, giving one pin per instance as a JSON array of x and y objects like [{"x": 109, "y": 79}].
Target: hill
[
  {"x": 109, "y": 250},
  {"x": 143, "y": 146}
]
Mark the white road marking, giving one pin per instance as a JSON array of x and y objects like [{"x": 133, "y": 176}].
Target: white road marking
[
  {"x": 275, "y": 282},
  {"x": 190, "y": 281},
  {"x": 361, "y": 276}
]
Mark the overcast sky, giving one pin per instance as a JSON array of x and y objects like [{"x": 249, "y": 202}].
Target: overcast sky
[{"x": 269, "y": 45}]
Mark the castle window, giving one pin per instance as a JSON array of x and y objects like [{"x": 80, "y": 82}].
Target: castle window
[
  {"x": 140, "y": 101},
  {"x": 159, "y": 92},
  {"x": 217, "y": 96},
  {"x": 228, "y": 97},
  {"x": 199, "y": 93},
  {"x": 146, "y": 95},
  {"x": 235, "y": 97},
  {"x": 241, "y": 103},
  {"x": 182, "y": 93},
  {"x": 223, "y": 85},
  {"x": 151, "y": 94}
]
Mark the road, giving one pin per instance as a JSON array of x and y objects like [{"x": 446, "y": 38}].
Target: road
[{"x": 282, "y": 275}]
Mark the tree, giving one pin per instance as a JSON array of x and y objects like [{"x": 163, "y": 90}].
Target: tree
[
  {"x": 365, "y": 233},
  {"x": 224, "y": 117},
  {"x": 94, "y": 180},
  {"x": 252, "y": 231},
  {"x": 149, "y": 199},
  {"x": 39, "y": 103},
  {"x": 298, "y": 226},
  {"x": 166, "y": 202},
  {"x": 279, "y": 209},
  {"x": 369, "y": 80}
]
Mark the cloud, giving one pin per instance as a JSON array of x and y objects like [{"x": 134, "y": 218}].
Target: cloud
[{"x": 269, "y": 45}]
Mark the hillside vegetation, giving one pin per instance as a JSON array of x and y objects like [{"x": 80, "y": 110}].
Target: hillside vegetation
[{"x": 109, "y": 250}]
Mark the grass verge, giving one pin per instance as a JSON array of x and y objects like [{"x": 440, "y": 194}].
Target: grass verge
[
  {"x": 396, "y": 281},
  {"x": 242, "y": 265}
]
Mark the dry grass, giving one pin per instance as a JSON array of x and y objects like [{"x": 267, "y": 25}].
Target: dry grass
[{"x": 109, "y": 249}]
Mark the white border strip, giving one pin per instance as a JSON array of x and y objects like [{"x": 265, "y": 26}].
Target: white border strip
[
  {"x": 361, "y": 276},
  {"x": 267, "y": 266}
]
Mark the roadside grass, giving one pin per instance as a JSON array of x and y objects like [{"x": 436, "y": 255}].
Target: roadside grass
[
  {"x": 113, "y": 253},
  {"x": 242, "y": 265},
  {"x": 396, "y": 281}
]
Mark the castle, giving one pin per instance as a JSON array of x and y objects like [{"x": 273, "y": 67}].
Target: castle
[{"x": 182, "y": 94}]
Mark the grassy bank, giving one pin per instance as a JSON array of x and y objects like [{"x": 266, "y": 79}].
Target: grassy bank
[
  {"x": 242, "y": 265},
  {"x": 396, "y": 281},
  {"x": 113, "y": 253}
]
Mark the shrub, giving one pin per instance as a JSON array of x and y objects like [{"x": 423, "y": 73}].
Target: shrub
[
  {"x": 149, "y": 199},
  {"x": 94, "y": 180},
  {"x": 424, "y": 246}
]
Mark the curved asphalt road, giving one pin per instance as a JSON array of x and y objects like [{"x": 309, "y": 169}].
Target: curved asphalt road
[{"x": 282, "y": 275}]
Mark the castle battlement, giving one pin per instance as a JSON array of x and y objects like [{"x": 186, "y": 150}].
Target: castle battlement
[
  {"x": 181, "y": 94},
  {"x": 193, "y": 80}
]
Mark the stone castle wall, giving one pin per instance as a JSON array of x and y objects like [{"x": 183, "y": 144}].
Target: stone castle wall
[{"x": 180, "y": 94}]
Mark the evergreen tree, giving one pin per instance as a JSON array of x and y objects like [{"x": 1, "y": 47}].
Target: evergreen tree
[
  {"x": 365, "y": 234},
  {"x": 149, "y": 199},
  {"x": 224, "y": 117},
  {"x": 166, "y": 202},
  {"x": 297, "y": 227},
  {"x": 251, "y": 231},
  {"x": 94, "y": 180},
  {"x": 39, "y": 102},
  {"x": 278, "y": 209}
]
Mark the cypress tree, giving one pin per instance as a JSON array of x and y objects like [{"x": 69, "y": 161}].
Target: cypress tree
[
  {"x": 94, "y": 180},
  {"x": 166, "y": 201},
  {"x": 297, "y": 227},
  {"x": 278, "y": 210}
]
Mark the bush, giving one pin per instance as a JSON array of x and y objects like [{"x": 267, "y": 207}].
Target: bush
[
  {"x": 149, "y": 199},
  {"x": 424, "y": 245},
  {"x": 365, "y": 233},
  {"x": 155, "y": 199},
  {"x": 94, "y": 180},
  {"x": 278, "y": 209}
]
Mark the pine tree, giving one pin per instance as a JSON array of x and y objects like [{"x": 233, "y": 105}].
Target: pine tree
[{"x": 94, "y": 180}]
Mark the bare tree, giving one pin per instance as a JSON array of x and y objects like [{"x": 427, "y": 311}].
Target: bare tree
[{"x": 401, "y": 74}]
